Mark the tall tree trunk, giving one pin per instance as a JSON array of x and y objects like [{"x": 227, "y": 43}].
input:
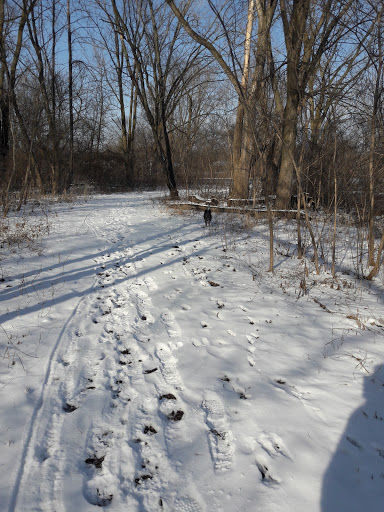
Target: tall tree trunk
[
  {"x": 376, "y": 98},
  {"x": 166, "y": 152},
  {"x": 377, "y": 266},
  {"x": 4, "y": 125},
  {"x": 4, "y": 101},
  {"x": 131, "y": 133},
  {"x": 127, "y": 129},
  {"x": 49, "y": 103},
  {"x": 55, "y": 175},
  {"x": 240, "y": 158},
  {"x": 7, "y": 86},
  {"x": 288, "y": 140},
  {"x": 294, "y": 30},
  {"x": 69, "y": 178}
]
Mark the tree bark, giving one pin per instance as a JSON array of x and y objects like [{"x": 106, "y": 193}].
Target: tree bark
[
  {"x": 69, "y": 178},
  {"x": 4, "y": 102},
  {"x": 7, "y": 86},
  {"x": 378, "y": 87},
  {"x": 294, "y": 30},
  {"x": 377, "y": 266},
  {"x": 157, "y": 88},
  {"x": 49, "y": 103},
  {"x": 304, "y": 51},
  {"x": 240, "y": 189}
]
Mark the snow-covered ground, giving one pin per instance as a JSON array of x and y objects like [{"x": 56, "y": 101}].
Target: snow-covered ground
[{"x": 151, "y": 364}]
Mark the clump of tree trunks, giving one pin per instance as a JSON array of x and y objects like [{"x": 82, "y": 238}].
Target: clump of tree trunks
[{"x": 277, "y": 97}]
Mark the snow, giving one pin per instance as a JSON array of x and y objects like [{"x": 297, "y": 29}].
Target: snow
[{"x": 152, "y": 364}]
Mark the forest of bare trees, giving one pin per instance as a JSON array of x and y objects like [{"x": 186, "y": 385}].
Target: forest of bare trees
[{"x": 282, "y": 96}]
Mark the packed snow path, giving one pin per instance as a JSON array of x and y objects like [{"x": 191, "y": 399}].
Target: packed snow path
[{"x": 168, "y": 387}]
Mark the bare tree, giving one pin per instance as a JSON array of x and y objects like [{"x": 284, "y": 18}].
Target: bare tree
[
  {"x": 376, "y": 58},
  {"x": 69, "y": 178},
  {"x": 158, "y": 68},
  {"x": 46, "y": 71},
  {"x": 4, "y": 103},
  {"x": 249, "y": 90},
  {"x": 305, "y": 45},
  {"x": 121, "y": 89},
  {"x": 8, "y": 75}
]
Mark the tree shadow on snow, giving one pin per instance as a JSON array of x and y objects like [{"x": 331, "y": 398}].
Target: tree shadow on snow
[
  {"x": 354, "y": 480},
  {"x": 38, "y": 282}
]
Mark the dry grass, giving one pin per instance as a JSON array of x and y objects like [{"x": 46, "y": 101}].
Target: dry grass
[{"x": 23, "y": 230}]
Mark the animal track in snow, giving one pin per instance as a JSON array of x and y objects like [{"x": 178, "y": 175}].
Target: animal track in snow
[
  {"x": 273, "y": 444},
  {"x": 293, "y": 391},
  {"x": 204, "y": 341},
  {"x": 270, "y": 448},
  {"x": 251, "y": 361},
  {"x": 268, "y": 475},
  {"x": 251, "y": 337},
  {"x": 151, "y": 283}
]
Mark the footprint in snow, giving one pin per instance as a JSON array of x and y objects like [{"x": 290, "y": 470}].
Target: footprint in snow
[
  {"x": 168, "y": 366},
  {"x": 186, "y": 504},
  {"x": 151, "y": 283},
  {"x": 173, "y": 413},
  {"x": 101, "y": 459},
  {"x": 219, "y": 435},
  {"x": 171, "y": 326},
  {"x": 199, "y": 342},
  {"x": 252, "y": 338},
  {"x": 303, "y": 396},
  {"x": 143, "y": 306}
]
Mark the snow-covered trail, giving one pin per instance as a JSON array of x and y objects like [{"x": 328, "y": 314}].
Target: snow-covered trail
[
  {"x": 168, "y": 387},
  {"x": 115, "y": 424}
]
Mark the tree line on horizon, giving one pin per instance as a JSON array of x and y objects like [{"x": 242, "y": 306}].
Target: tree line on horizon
[{"x": 285, "y": 95}]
